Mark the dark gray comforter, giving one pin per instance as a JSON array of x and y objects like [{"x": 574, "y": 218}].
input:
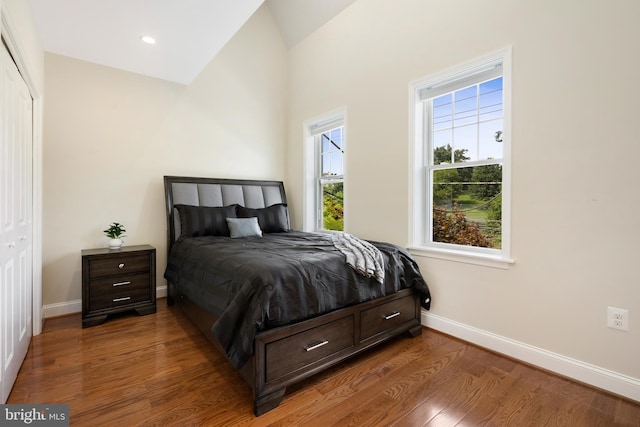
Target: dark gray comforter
[{"x": 255, "y": 283}]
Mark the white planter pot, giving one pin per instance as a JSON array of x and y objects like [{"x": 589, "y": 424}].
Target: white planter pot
[{"x": 115, "y": 243}]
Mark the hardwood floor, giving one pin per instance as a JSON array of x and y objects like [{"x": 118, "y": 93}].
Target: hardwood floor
[{"x": 159, "y": 370}]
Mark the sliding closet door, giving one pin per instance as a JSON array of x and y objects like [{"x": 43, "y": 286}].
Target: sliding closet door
[{"x": 16, "y": 240}]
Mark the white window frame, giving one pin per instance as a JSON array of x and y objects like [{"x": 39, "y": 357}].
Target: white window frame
[
  {"x": 313, "y": 129},
  {"x": 420, "y": 238}
]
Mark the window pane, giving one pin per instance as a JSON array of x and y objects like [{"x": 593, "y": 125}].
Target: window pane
[
  {"x": 332, "y": 163},
  {"x": 489, "y": 147},
  {"x": 446, "y": 154},
  {"x": 336, "y": 138},
  {"x": 442, "y": 112},
  {"x": 490, "y": 126},
  {"x": 469, "y": 120},
  {"x": 336, "y": 163},
  {"x": 467, "y": 206},
  {"x": 326, "y": 143},
  {"x": 466, "y": 106},
  {"x": 491, "y": 99},
  {"x": 332, "y": 206},
  {"x": 326, "y": 164},
  {"x": 442, "y": 141},
  {"x": 466, "y": 142},
  {"x": 332, "y": 152}
]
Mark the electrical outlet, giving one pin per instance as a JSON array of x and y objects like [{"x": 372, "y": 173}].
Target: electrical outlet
[{"x": 618, "y": 318}]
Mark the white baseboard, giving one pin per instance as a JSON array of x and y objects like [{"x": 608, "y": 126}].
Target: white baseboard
[
  {"x": 577, "y": 370},
  {"x": 61, "y": 308},
  {"x": 161, "y": 291},
  {"x": 75, "y": 306}
]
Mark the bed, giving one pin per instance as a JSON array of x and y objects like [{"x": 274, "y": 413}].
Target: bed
[{"x": 280, "y": 304}]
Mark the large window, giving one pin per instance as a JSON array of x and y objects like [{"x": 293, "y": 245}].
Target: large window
[
  {"x": 461, "y": 177},
  {"x": 325, "y": 198}
]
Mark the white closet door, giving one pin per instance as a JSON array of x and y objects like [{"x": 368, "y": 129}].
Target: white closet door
[{"x": 16, "y": 240}]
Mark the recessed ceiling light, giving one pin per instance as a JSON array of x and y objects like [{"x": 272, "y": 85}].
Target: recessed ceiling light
[{"x": 148, "y": 39}]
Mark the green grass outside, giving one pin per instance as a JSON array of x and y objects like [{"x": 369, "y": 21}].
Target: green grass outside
[{"x": 477, "y": 210}]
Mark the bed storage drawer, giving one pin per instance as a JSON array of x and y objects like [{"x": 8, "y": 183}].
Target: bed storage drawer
[
  {"x": 300, "y": 350},
  {"x": 387, "y": 316}
]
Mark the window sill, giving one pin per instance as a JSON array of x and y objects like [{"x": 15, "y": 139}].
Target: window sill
[{"x": 461, "y": 256}]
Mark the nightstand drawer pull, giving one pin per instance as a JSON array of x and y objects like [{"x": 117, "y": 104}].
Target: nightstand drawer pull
[
  {"x": 121, "y": 299},
  {"x": 121, "y": 283},
  {"x": 316, "y": 345},
  {"x": 121, "y": 265},
  {"x": 391, "y": 316}
]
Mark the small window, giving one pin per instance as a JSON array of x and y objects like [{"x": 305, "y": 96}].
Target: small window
[
  {"x": 461, "y": 160},
  {"x": 331, "y": 179},
  {"x": 325, "y": 169}
]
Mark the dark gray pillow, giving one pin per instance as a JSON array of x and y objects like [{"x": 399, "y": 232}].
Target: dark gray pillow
[
  {"x": 272, "y": 219},
  {"x": 204, "y": 220},
  {"x": 244, "y": 227}
]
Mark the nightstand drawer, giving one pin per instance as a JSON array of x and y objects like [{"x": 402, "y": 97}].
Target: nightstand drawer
[
  {"x": 386, "y": 316},
  {"x": 114, "y": 284},
  {"x": 118, "y": 265},
  {"x": 119, "y": 299}
]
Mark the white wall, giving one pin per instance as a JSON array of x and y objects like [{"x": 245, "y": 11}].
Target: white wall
[
  {"x": 20, "y": 13},
  {"x": 575, "y": 149},
  {"x": 110, "y": 136}
]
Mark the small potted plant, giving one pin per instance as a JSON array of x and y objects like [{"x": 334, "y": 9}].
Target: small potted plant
[{"x": 115, "y": 233}]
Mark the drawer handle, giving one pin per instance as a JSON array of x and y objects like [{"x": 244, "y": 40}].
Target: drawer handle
[
  {"x": 316, "y": 345},
  {"x": 121, "y": 299},
  {"x": 121, "y": 283},
  {"x": 391, "y": 316},
  {"x": 121, "y": 265}
]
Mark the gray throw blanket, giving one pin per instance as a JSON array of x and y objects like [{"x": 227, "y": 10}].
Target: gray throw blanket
[{"x": 360, "y": 255}]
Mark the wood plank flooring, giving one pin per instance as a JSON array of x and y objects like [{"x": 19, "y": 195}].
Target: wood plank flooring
[{"x": 158, "y": 370}]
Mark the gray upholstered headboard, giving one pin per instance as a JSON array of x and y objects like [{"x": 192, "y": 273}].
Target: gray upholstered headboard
[{"x": 216, "y": 192}]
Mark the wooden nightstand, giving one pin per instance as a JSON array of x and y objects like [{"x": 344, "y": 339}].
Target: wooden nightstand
[{"x": 116, "y": 280}]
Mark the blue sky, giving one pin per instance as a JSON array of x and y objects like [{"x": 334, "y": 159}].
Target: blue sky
[
  {"x": 333, "y": 152},
  {"x": 469, "y": 118}
]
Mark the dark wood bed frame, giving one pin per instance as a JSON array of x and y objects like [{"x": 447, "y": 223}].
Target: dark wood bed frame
[{"x": 286, "y": 355}]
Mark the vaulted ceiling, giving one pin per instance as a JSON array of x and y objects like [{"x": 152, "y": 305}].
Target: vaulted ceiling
[{"x": 188, "y": 33}]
